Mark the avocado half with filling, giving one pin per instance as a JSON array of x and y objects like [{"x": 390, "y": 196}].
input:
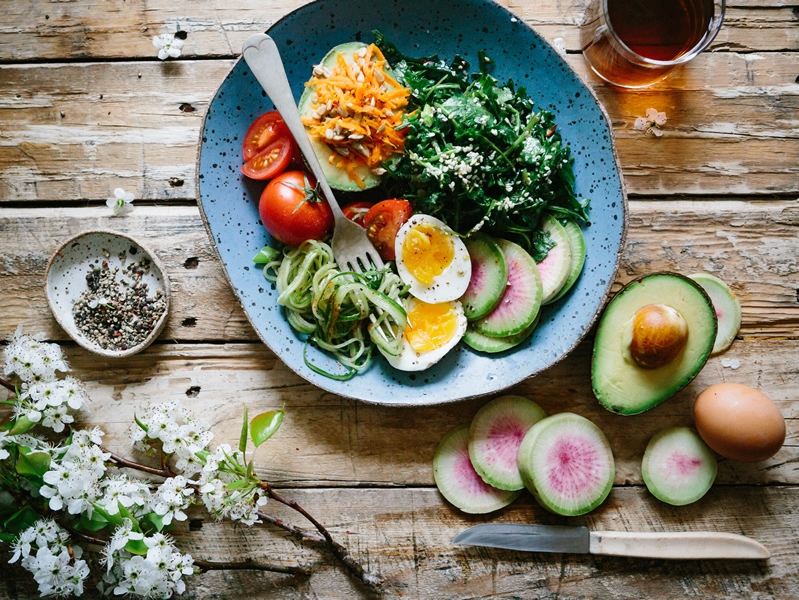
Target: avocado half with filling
[
  {"x": 336, "y": 177},
  {"x": 653, "y": 338}
]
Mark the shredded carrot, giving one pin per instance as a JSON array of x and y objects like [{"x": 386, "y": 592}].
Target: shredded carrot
[{"x": 358, "y": 110}]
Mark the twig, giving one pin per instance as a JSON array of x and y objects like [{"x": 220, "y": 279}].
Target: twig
[
  {"x": 338, "y": 550},
  {"x": 293, "y": 529},
  {"x": 121, "y": 461},
  {"x": 7, "y": 385},
  {"x": 248, "y": 565}
]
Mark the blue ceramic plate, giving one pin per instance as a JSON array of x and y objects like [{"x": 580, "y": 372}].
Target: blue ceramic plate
[{"x": 229, "y": 202}]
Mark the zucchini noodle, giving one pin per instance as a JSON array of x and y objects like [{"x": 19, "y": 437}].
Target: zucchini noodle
[{"x": 341, "y": 312}]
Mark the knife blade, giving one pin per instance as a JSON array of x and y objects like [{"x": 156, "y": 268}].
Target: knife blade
[{"x": 579, "y": 540}]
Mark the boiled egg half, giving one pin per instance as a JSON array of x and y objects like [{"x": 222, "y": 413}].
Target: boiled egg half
[
  {"x": 432, "y": 331},
  {"x": 432, "y": 260}
]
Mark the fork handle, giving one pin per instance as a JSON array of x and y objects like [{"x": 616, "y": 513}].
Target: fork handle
[{"x": 262, "y": 56}]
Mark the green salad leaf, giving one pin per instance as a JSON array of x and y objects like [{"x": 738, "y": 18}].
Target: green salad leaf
[{"x": 478, "y": 155}]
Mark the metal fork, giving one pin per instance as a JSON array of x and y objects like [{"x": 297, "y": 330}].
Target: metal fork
[{"x": 352, "y": 249}]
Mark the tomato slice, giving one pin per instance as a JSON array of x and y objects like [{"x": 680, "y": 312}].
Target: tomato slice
[
  {"x": 263, "y": 131},
  {"x": 270, "y": 161},
  {"x": 382, "y": 223},
  {"x": 356, "y": 211}
]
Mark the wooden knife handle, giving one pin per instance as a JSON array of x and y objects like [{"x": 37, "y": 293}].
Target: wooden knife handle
[{"x": 676, "y": 545}]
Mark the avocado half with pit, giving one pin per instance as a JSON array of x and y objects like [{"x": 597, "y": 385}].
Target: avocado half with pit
[
  {"x": 653, "y": 338},
  {"x": 336, "y": 177}
]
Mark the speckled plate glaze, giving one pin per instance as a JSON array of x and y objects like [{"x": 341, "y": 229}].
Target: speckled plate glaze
[
  {"x": 229, "y": 202},
  {"x": 65, "y": 280}
]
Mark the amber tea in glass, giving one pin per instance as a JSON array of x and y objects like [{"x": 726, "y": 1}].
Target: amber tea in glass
[{"x": 635, "y": 43}]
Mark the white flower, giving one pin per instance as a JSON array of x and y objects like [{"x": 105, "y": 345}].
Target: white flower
[
  {"x": 651, "y": 123},
  {"x": 122, "y": 202},
  {"x": 658, "y": 118},
  {"x": 168, "y": 45},
  {"x": 58, "y": 571},
  {"x": 157, "y": 575},
  {"x": 3, "y": 452}
]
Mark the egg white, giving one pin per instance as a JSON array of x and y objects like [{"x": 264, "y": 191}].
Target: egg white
[
  {"x": 452, "y": 282},
  {"x": 409, "y": 359}
]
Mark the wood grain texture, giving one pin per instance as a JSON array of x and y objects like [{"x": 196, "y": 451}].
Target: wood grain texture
[
  {"x": 752, "y": 245},
  {"x": 36, "y": 30},
  {"x": 74, "y": 132},
  {"x": 404, "y": 536}
]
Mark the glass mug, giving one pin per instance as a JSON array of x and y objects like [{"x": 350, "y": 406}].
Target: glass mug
[{"x": 635, "y": 43}]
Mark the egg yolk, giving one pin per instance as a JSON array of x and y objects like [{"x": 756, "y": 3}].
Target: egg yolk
[
  {"x": 427, "y": 251},
  {"x": 430, "y": 326}
]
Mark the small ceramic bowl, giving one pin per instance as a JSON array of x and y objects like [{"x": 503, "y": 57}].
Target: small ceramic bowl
[{"x": 108, "y": 292}]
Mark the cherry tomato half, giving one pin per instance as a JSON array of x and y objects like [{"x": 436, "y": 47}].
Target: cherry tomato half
[
  {"x": 356, "y": 211},
  {"x": 263, "y": 131},
  {"x": 292, "y": 211},
  {"x": 382, "y": 223},
  {"x": 270, "y": 161}
]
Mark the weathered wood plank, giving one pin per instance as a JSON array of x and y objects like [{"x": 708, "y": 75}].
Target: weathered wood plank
[
  {"x": 74, "y": 132},
  {"x": 101, "y": 29},
  {"x": 752, "y": 245},
  {"x": 403, "y": 535},
  {"x": 331, "y": 441}
]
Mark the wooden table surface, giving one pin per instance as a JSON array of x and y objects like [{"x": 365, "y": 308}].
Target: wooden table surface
[{"x": 85, "y": 107}]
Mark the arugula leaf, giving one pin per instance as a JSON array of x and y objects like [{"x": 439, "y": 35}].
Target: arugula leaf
[{"x": 478, "y": 155}]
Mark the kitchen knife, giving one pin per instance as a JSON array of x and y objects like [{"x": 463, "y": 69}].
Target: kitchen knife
[{"x": 579, "y": 540}]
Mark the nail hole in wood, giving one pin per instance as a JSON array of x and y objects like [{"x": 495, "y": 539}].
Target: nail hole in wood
[
  {"x": 190, "y": 322},
  {"x": 191, "y": 263},
  {"x": 193, "y": 391}
]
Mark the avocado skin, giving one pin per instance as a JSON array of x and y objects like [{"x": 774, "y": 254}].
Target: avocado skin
[{"x": 619, "y": 384}]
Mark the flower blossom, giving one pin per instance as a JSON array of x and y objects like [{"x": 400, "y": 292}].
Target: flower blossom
[
  {"x": 651, "y": 123},
  {"x": 55, "y": 564},
  {"x": 121, "y": 203},
  {"x": 168, "y": 45},
  {"x": 158, "y": 574}
]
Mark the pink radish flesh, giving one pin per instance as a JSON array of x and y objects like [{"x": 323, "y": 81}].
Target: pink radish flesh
[
  {"x": 683, "y": 463},
  {"x": 571, "y": 467}
]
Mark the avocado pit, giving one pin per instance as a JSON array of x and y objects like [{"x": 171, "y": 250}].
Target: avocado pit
[{"x": 659, "y": 334}]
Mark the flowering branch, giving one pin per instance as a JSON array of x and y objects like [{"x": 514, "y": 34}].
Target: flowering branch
[{"x": 52, "y": 493}]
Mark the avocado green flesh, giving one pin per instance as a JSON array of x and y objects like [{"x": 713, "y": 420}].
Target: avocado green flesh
[
  {"x": 337, "y": 178},
  {"x": 619, "y": 383}
]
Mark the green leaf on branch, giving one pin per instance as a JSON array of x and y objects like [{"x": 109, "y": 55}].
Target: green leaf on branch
[
  {"x": 154, "y": 519},
  {"x": 137, "y": 547},
  {"x": 22, "y": 519},
  {"x": 94, "y": 523},
  {"x": 243, "y": 438},
  {"x": 264, "y": 426},
  {"x": 114, "y": 519},
  {"x": 237, "y": 485},
  {"x": 33, "y": 463},
  {"x": 21, "y": 425}
]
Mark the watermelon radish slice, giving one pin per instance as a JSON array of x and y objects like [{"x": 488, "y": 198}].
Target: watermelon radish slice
[
  {"x": 495, "y": 434},
  {"x": 521, "y": 299},
  {"x": 577, "y": 244},
  {"x": 566, "y": 463},
  {"x": 492, "y": 345},
  {"x": 557, "y": 266},
  {"x": 489, "y": 277},
  {"x": 678, "y": 467},
  {"x": 457, "y": 480},
  {"x": 727, "y": 307}
]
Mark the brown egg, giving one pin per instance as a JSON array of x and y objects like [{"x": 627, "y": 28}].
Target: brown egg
[{"x": 739, "y": 422}]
